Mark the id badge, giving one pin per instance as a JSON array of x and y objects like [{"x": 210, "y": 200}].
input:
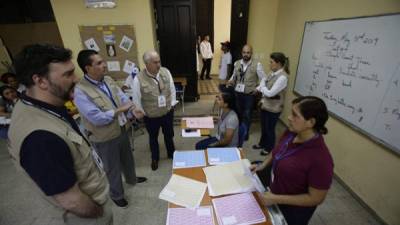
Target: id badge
[
  {"x": 122, "y": 119},
  {"x": 162, "y": 101},
  {"x": 239, "y": 88},
  {"x": 97, "y": 160}
]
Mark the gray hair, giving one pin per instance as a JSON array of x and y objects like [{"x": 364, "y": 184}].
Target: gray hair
[{"x": 148, "y": 55}]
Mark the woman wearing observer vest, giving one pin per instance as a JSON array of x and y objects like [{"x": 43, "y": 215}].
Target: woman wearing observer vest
[
  {"x": 273, "y": 89},
  {"x": 302, "y": 166}
]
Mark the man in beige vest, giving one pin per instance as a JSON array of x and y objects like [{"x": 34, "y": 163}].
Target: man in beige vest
[
  {"x": 247, "y": 74},
  {"x": 47, "y": 146},
  {"x": 154, "y": 93},
  {"x": 104, "y": 109}
]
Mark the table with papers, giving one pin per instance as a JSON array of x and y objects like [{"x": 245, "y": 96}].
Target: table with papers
[
  {"x": 197, "y": 174},
  {"x": 197, "y": 125}
]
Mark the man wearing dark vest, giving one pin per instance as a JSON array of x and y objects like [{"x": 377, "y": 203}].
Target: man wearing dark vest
[
  {"x": 247, "y": 74},
  {"x": 104, "y": 109},
  {"x": 154, "y": 93},
  {"x": 47, "y": 146}
]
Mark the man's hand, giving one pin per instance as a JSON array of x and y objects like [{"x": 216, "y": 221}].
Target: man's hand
[
  {"x": 138, "y": 114},
  {"x": 230, "y": 83},
  {"x": 123, "y": 108}
]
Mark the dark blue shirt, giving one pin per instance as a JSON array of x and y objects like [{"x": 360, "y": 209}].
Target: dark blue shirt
[{"x": 46, "y": 157}]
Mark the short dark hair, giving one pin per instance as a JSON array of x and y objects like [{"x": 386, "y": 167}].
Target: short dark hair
[
  {"x": 6, "y": 75},
  {"x": 84, "y": 58},
  {"x": 36, "y": 58},
  {"x": 279, "y": 57},
  {"x": 228, "y": 99},
  {"x": 314, "y": 107}
]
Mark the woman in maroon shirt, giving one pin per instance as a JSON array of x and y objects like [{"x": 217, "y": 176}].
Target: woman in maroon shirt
[{"x": 302, "y": 167}]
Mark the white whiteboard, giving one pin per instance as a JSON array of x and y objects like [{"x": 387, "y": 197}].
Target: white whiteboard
[{"x": 354, "y": 66}]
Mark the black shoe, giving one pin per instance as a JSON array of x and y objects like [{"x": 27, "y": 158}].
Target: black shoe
[
  {"x": 208, "y": 78},
  {"x": 257, "y": 146},
  {"x": 264, "y": 152},
  {"x": 141, "y": 179},
  {"x": 121, "y": 203},
  {"x": 170, "y": 156},
  {"x": 201, "y": 78},
  {"x": 154, "y": 165}
]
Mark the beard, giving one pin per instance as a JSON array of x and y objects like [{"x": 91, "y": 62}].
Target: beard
[
  {"x": 61, "y": 92},
  {"x": 246, "y": 58}
]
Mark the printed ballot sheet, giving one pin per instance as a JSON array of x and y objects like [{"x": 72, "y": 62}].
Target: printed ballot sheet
[
  {"x": 183, "y": 191},
  {"x": 189, "y": 159},
  {"x": 183, "y": 216},
  {"x": 229, "y": 178},
  {"x": 238, "y": 209},
  {"x": 199, "y": 122},
  {"x": 219, "y": 156}
]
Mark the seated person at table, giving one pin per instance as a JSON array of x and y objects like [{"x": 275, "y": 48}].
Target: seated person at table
[
  {"x": 9, "y": 96},
  {"x": 302, "y": 167},
  {"x": 228, "y": 125},
  {"x": 10, "y": 79}
]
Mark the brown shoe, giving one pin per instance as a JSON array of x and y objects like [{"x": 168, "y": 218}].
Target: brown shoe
[{"x": 154, "y": 165}]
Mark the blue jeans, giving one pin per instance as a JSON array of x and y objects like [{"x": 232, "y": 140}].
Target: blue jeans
[
  {"x": 268, "y": 124},
  {"x": 203, "y": 144},
  {"x": 244, "y": 106},
  {"x": 4, "y": 132}
]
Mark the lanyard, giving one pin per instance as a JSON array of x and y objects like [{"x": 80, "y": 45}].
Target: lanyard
[
  {"x": 108, "y": 92},
  {"x": 158, "y": 82},
  {"x": 56, "y": 115},
  {"x": 284, "y": 152},
  {"x": 243, "y": 72}
]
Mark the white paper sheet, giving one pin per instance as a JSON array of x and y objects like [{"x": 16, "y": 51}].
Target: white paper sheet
[
  {"x": 183, "y": 191},
  {"x": 194, "y": 133},
  {"x": 199, "y": 122},
  {"x": 113, "y": 66},
  {"x": 91, "y": 44}
]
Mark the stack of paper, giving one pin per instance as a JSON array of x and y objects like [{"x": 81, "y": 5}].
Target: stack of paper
[
  {"x": 191, "y": 133},
  {"x": 199, "y": 122},
  {"x": 229, "y": 178},
  {"x": 219, "y": 156},
  {"x": 240, "y": 209},
  {"x": 183, "y": 191},
  {"x": 184, "y": 216},
  {"x": 188, "y": 159}
]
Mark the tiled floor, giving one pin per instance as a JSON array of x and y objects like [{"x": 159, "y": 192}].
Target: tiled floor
[{"x": 18, "y": 206}]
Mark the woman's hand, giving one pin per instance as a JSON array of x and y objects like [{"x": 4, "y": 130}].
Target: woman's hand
[
  {"x": 253, "y": 168},
  {"x": 268, "y": 198}
]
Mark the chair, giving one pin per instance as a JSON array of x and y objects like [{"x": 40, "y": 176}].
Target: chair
[
  {"x": 242, "y": 134},
  {"x": 180, "y": 94}
]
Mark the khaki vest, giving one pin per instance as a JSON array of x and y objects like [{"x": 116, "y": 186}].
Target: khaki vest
[
  {"x": 105, "y": 132},
  {"x": 150, "y": 92},
  {"x": 250, "y": 76},
  {"x": 25, "y": 119},
  {"x": 273, "y": 104}
]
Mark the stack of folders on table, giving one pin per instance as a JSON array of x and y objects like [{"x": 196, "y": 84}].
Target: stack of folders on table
[
  {"x": 183, "y": 216},
  {"x": 232, "y": 178},
  {"x": 183, "y": 191},
  {"x": 219, "y": 156},
  {"x": 238, "y": 209},
  {"x": 189, "y": 159}
]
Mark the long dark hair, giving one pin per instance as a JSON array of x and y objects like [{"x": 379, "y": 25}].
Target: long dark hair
[
  {"x": 279, "y": 57},
  {"x": 314, "y": 107}
]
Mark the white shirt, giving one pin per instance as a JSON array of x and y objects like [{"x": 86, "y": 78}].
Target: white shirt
[
  {"x": 226, "y": 59},
  {"x": 205, "y": 50},
  {"x": 260, "y": 70},
  {"x": 278, "y": 86},
  {"x": 134, "y": 85}
]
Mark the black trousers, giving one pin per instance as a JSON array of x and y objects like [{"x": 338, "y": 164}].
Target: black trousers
[
  {"x": 206, "y": 68},
  {"x": 153, "y": 127}
]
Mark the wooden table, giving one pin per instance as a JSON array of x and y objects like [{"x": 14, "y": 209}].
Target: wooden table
[
  {"x": 197, "y": 173},
  {"x": 181, "y": 80},
  {"x": 203, "y": 131}
]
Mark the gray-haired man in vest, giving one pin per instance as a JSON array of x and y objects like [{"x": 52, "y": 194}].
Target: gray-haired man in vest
[
  {"x": 48, "y": 147},
  {"x": 104, "y": 109},
  {"x": 154, "y": 93},
  {"x": 246, "y": 76}
]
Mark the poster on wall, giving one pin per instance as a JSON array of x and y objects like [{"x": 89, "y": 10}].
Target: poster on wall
[
  {"x": 116, "y": 44},
  {"x": 126, "y": 43}
]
